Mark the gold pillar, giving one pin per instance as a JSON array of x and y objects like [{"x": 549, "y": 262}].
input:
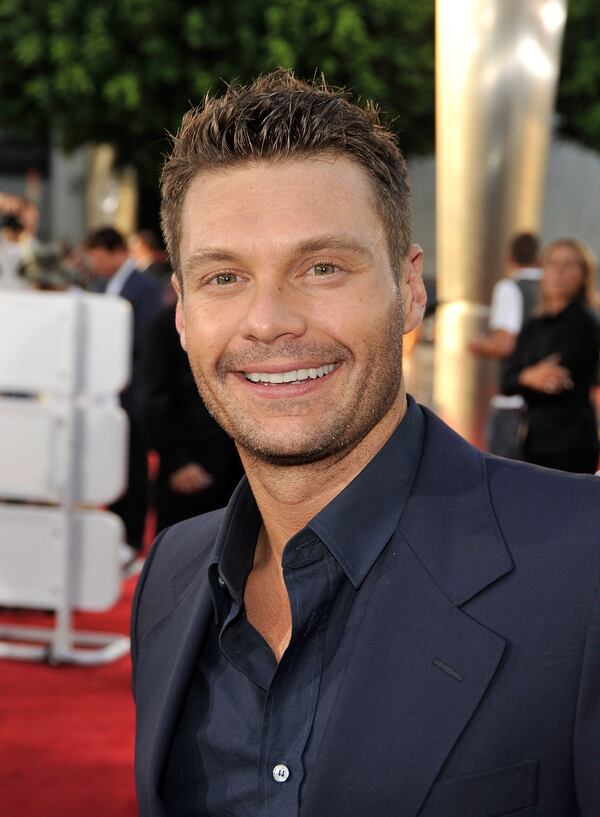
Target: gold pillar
[
  {"x": 496, "y": 71},
  {"x": 111, "y": 193}
]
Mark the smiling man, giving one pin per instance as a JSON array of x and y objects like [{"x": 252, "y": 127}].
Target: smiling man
[{"x": 384, "y": 622}]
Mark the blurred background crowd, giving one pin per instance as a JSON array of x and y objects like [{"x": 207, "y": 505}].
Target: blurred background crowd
[{"x": 180, "y": 462}]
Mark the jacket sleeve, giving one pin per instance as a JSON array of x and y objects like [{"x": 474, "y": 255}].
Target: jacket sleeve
[
  {"x": 137, "y": 606},
  {"x": 165, "y": 423},
  {"x": 587, "y": 722},
  {"x": 514, "y": 365},
  {"x": 157, "y": 381}
]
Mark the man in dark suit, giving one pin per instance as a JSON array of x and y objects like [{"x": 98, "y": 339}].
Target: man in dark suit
[
  {"x": 199, "y": 466},
  {"x": 384, "y": 621},
  {"x": 109, "y": 259}
]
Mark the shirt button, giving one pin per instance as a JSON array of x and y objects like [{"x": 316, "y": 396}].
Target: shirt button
[
  {"x": 280, "y": 773},
  {"x": 221, "y": 582}
]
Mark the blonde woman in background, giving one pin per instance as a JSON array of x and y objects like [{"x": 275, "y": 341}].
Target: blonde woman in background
[{"x": 555, "y": 363}]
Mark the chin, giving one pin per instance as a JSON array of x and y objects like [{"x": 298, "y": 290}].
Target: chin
[
  {"x": 306, "y": 452},
  {"x": 289, "y": 459}
]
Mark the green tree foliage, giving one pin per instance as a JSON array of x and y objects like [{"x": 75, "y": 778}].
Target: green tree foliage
[
  {"x": 578, "y": 102},
  {"x": 124, "y": 71}
]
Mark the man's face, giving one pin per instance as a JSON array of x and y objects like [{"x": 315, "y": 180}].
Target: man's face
[
  {"x": 104, "y": 262},
  {"x": 139, "y": 251},
  {"x": 290, "y": 314}
]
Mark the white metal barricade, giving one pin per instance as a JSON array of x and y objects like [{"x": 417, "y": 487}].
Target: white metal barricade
[
  {"x": 35, "y": 462},
  {"x": 63, "y": 440}
]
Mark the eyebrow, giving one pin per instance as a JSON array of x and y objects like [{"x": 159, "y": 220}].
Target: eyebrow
[
  {"x": 332, "y": 242},
  {"x": 317, "y": 244},
  {"x": 204, "y": 256}
]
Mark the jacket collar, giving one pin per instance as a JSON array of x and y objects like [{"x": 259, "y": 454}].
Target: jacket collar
[
  {"x": 449, "y": 521},
  {"x": 358, "y": 523}
]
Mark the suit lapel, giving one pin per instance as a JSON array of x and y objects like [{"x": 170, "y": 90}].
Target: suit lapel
[
  {"x": 419, "y": 666},
  {"x": 415, "y": 677},
  {"x": 449, "y": 521}
]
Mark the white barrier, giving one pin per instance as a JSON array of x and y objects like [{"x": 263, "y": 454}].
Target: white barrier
[
  {"x": 32, "y": 550},
  {"x": 35, "y": 440},
  {"x": 63, "y": 359},
  {"x": 38, "y": 333}
]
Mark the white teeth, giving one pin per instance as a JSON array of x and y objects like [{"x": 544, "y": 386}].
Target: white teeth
[{"x": 292, "y": 376}]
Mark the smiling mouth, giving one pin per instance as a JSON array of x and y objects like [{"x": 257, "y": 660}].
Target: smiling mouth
[{"x": 291, "y": 376}]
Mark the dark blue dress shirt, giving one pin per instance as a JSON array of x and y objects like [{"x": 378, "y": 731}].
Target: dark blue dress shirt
[{"x": 250, "y": 730}]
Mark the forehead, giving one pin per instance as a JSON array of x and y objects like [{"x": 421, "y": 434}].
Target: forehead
[
  {"x": 279, "y": 202},
  {"x": 564, "y": 254}
]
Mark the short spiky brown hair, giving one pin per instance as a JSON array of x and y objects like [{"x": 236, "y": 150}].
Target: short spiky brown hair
[{"x": 278, "y": 117}]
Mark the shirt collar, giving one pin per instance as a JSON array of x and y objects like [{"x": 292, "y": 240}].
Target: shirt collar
[
  {"x": 358, "y": 523},
  {"x": 355, "y": 526},
  {"x": 528, "y": 274},
  {"x": 119, "y": 279}
]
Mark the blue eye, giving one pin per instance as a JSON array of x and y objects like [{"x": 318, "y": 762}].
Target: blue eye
[
  {"x": 224, "y": 278},
  {"x": 324, "y": 269}
]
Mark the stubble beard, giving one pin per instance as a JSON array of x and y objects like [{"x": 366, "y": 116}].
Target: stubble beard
[{"x": 348, "y": 424}]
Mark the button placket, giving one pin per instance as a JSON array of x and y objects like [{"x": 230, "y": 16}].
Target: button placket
[{"x": 289, "y": 715}]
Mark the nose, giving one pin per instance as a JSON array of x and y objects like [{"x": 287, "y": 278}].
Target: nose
[{"x": 273, "y": 311}]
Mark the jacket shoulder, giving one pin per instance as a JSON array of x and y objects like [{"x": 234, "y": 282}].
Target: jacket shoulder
[
  {"x": 140, "y": 284},
  {"x": 177, "y": 556},
  {"x": 546, "y": 519},
  {"x": 552, "y": 510}
]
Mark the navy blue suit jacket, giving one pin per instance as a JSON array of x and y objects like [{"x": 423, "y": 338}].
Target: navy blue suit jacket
[
  {"x": 144, "y": 295},
  {"x": 473, "y": 687}
]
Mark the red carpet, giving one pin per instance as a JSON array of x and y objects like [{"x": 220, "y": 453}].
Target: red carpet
[{"x": 66, "y": 733}]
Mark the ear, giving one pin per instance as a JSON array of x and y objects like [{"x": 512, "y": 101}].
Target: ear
[
  {"x": 415, "y": 296},
  {"x": 179, "y": 313}
]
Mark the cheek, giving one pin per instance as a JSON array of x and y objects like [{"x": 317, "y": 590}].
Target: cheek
[
  {"x": 576, "y": 282},
  {"x": 344, "y": 322},
  {"x": 371, "y": 329},
  {"x": 364, "y": 312},
  {"x": 206, "y": 337}
]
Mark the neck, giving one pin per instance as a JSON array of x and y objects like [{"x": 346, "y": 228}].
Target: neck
[
  {"x": 289, "y": 497},
  {"x": 143, "y": 262},
  {"x": 555, "y": 304}
]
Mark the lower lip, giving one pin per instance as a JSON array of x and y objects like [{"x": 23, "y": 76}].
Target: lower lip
[{"x": 281, "y": 391}]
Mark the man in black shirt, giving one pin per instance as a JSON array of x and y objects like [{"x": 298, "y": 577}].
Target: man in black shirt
[{"x": 360, "y": 632}]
